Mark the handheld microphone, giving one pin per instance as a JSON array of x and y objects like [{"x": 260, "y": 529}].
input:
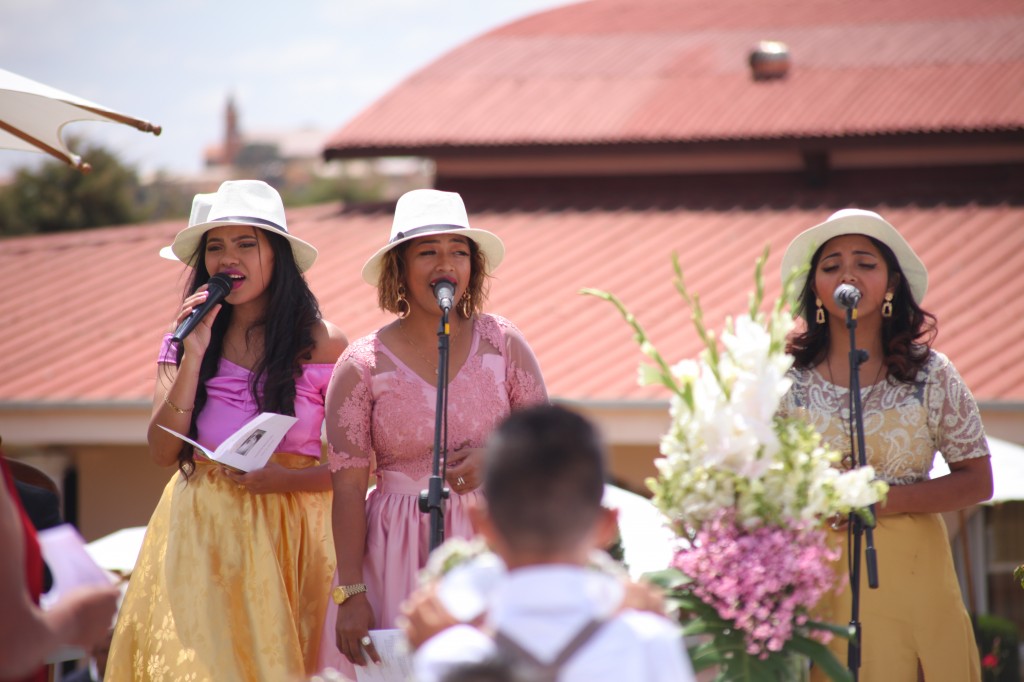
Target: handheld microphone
[
  {"x": 444, "y": 291},
  {"x": 217, "y": 289},
  {"x": 847, "y": 296}
]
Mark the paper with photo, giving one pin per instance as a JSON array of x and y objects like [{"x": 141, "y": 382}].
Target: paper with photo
[
  {"x": 250, "y": 447},
  {"x": 395, "y": 665}
]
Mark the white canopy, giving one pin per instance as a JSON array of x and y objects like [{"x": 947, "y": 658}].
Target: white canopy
[
  {"x": 33, "y": 116},
  {"x": 646, "y": 541},
  {"x": 1007, "y": 470},
  {"x": 118, "y": 551}
]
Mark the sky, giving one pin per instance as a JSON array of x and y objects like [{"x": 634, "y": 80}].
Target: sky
[{"x": 288, "y": 64}]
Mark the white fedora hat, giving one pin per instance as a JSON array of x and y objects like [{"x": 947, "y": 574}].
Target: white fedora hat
[
  {"x": 201, "y": 204},
  {"x": 239, "y": 202},
  {"x": 855, "y": 221},
  {"x": 423, "y": 212}
]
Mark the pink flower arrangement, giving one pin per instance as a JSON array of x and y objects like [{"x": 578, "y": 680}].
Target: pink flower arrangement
[
  {"x": 764, "y": 580},
  {"x": 748, "y": 491}
]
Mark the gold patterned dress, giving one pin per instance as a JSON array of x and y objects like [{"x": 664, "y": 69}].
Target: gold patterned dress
[
  {"x": 229, "y": 585},
  {"x": 917, "y": 613}
]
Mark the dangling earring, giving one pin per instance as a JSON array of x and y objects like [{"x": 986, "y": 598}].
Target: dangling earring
[
  {"x": 819, "y": 316},
  {"x": 402, "y": 303},
  {"x": 887, "y": 306},
  {"x": 466, "y": 305}
]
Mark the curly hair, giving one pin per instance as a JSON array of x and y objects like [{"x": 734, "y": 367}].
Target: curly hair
[
  {"x": 906, "y": 336},
  {"x": 287, "y": 327},
  {"x": 392, "y": 279}
]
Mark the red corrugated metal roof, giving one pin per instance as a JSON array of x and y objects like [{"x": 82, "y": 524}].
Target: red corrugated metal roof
[
  {"x": 83, "y": 312},
  {"x": 617, "y": 71}
]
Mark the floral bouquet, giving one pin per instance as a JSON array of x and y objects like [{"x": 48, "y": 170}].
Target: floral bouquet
[{"x": 748, "y": 491}]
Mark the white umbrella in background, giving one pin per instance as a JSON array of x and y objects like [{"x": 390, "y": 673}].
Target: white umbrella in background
[
  {"x": 647, "y": 542},
  {"x": 118, "y": 551},
  {"x": 33, "y": 115},
  {"x": 1007, "y": 470},
  {"x": 1007, "y": 486}
]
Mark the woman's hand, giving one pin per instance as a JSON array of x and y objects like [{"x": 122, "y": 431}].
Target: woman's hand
[
  {"x": 642, "y": 595},
  {"x": 465, "y": 469},
  {"x": 423, "y": 616},
  {"x": 84, "y": 617},
  {"x": 272, "y": 478},
  {"x": 199, "y": 339},
  {"x": 352, "y": 630}
]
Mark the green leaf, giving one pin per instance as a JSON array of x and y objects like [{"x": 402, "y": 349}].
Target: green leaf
[
  {"x": 822, "y": 657},
  {"x": 667, "y": 578},
  {"x": 713, "y": 653},
  {"x": 758, "y": 296},
  {"x": 844, "y": 631},
  {"x": 701, "y": 626}
]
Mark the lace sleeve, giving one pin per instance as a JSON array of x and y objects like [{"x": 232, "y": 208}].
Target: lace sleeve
[
  {"x": 524, "y": 379},
  {"x": 953, "y": 413},
  {"x": 348, "y": 408}
]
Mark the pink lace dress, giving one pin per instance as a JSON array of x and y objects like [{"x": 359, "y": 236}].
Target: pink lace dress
[{"x": 386, "y": 419}]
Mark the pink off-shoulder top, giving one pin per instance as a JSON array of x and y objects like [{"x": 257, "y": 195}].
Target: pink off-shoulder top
[{"x": 230, "y": 405}]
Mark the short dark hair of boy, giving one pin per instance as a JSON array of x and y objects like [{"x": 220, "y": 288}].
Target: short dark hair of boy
[{"x": 544, "y": 478}]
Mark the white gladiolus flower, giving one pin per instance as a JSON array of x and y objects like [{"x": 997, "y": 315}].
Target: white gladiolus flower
[
  {"x": 685, "y": 370},
  {"x": 648, "y": 375},
  {"x": 731, "y": 463},
  {"x": 854, "y": 488},
  {"x": 726, "y": 446}
]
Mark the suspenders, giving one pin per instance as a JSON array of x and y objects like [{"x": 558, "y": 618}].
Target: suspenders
[{"x": 521, "y": 659}]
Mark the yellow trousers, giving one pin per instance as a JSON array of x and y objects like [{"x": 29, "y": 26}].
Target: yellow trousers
[{"x": 916, "y": 615}]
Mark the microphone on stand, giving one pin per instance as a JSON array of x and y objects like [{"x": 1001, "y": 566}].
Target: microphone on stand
[
  {"x": 444, "y": 291},
  {"x": 431, "y": 500},
  {"x": 847, "y": 296},
  {"x": 217, "y": 289}
]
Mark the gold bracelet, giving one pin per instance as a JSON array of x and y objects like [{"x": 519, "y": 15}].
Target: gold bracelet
[{"x": 167, "y": 399}]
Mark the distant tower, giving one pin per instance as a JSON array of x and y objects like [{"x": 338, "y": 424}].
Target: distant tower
[{"x": 232, "y": 135}]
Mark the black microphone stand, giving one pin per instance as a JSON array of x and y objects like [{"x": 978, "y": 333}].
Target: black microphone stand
[
  {"x": 432, "y": 499},
  {"x": 857, "y": 527}
]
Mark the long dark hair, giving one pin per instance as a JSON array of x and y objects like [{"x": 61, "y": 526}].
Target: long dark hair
[
  {"x": 906, "y": 336},
  {"x": 287, "y": 327}
]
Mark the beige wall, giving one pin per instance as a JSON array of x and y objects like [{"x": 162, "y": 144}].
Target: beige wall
[
  {"x": 118, "y": 487},
  {"x": 631, "y": 465},
  {"x": 1007, "y": 424}
]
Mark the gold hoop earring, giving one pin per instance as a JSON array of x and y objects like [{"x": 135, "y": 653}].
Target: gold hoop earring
[
  {"x": 402, "y": 303},
  {"x": 466, "y": 305},
  {"x": 819, "y": 315},
  {"x": 887, "y": 306}
]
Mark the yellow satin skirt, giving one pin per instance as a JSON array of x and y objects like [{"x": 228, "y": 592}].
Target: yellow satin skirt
[
  {"x": 229, "y": 585},
  {"x": 916, "y": 615}
]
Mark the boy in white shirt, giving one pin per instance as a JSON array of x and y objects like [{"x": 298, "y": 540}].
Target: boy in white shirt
[{"x": 551, "y": 616}]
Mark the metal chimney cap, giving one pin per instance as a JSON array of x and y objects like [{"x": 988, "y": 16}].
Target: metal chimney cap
[{"x": 769, "y": 60}]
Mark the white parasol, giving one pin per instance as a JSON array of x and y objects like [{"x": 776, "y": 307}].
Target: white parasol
[
  {"x": 118, "y": 551},
  {"x": 33, "y": 116},
  {"x": 647, "y": 542},
  {"x": 1007, "y": 470}
]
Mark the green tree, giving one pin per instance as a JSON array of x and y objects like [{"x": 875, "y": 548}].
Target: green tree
[
  {"x": 323, "y": 190},
  {"x": 56, "y": 197}
]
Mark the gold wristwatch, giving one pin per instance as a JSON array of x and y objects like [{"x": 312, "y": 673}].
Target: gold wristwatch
[{"x": 342, "y": 592}]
